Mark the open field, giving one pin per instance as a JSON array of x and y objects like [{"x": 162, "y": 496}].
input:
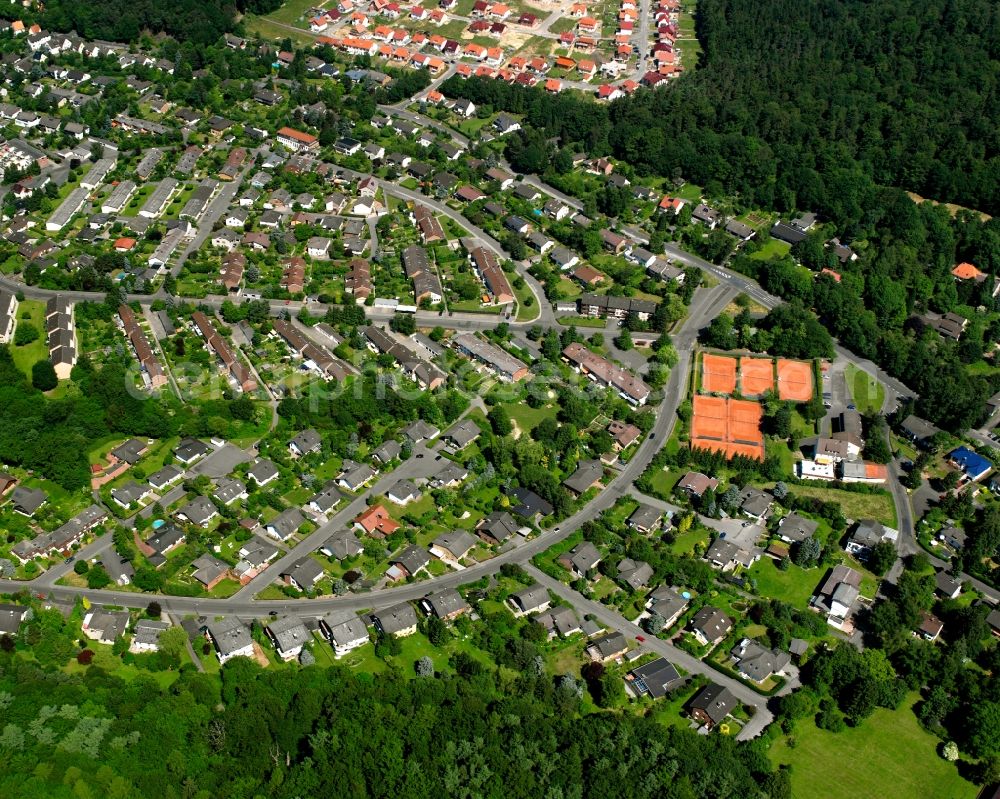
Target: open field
[
  {"x": 888, "y": 755},
  {"x": 31, "y": 312},
  {"x": 854, "y": 505},
  {"x": 868, "y": 393}
]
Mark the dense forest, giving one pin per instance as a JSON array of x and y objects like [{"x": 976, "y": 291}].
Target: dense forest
[
  {"x": 331, "y": 732},
  {"x": 800, "y": 104},
  {"x": 201, "y": 21}
]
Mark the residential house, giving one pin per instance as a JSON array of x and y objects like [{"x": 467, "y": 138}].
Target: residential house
[
  {"x": 231, "y": 638},
  {"x": 695, "y": 484},
  {"x": 668, "y": 603},
  {"x": 210, "y": 571},
  {"x": 285, "y": 524},
  {"x": 837, "y": 597},
  {"x": 756, "y": 662},
  {"x": 712, "y": 705},
  {"x": 341, "y": 544},
  {"x": 453, "y": 546},
  {"x": 146, "y": 635},
  {"x": 344, "y": 630},
  {"x": 608, "y": 647},
  {"x": 288, "y": 635},
  {"x": 306, "y": 442},
  {"x": 303, "y": 574},
  {"x": 446, "y": 604},
  {"x": 588, "y": 475},
  {"x": 398, "y": 620},
  {"x": 104, "y": 626},
  {"x": 263, "y": 472},
  {"x": 710, "y": 625},
  {"x": 655, "y": 679},
  {"x": 199, "y": 511},
  {"x": 634, "y": 573},
  {"x": 496, "y": 528},
  {"x": 377, "y": 522},
  {"x": 581, "y": 559},
  {"x": 533, "y": 599},
  {"x": 645, "y": 519}
]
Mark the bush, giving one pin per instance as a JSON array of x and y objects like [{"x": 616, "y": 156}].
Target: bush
[
  {"x": 85, "y": 657},
  {"x": 26, "y": 333},
  {"x": 81, "y": 567}
]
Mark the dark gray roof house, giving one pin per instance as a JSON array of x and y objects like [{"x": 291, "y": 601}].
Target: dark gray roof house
[
  {"x": 497, "y": 527},
  {"x": 190, "y": 449},
  {"x": 128, "y": 493},
  {"x": 285, "y": 524},
  {"x": 757, "y": 662},
  {"x": 389, "y": 451},
  {"x": 411, "y": 560},
  {"x": 105, "y": 626},
  {"x": 445, "y": 604},
  {"x": 634, "y": 573},
  {"x": 326, "y": 498},
  {"x": 397, "y": 620},
  {"x": 713, "y": 704},
  {"x": 668, "y": 603},
  {"x": 288, "y": 634},
  {"x": 711, "y": 625},
  {"x": 199, "y": 511},
  {"x": 587, "y": 475},
  {"x": 305, "y": 442},
  {"x": 11, "y": 617},
  {"x": 461, "y": 434},
  {"x": 529, "y": 504},
  {"x": 795, "y": 528},
  {"x": 560, "y": 621},
  {"x": 229, "y": 489},
  {"x": 303, "y": 574},
  {"x": 655, "y": 679},
  {"x": 131, "y": 451},
  {"x": 581, "y": 558},
  {"x": 645, "y": 518},
  {"x": 263, "y": 471},
  {"x": 341, "y": 544},
  {"x": 165, "y": 476},
  {"x": 420, "y": 431},
  {"x": 26, "y": 500},
  {"x": 608, "y": 647},
  {"x": 453, "y": 545},
  {"x": 532, "y": 599}
]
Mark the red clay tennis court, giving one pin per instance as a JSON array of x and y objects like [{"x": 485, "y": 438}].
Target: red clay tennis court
[
  {"x": 710, "y": 418},
  {"x": 756, "y": 376},
  {"x": 718, "y": 374},
  {"x": 795, "y": 380},
  {"x": 729, "y": 426}
]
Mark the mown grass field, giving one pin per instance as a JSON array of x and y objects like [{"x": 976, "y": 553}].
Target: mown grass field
[{"x": 889, "y": 755}]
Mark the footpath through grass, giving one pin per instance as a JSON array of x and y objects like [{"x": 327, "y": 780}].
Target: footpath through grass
[{"x": 889, "y": 755}]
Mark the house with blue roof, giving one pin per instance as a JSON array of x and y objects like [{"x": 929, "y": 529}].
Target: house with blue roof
[{"x": 973, "y": 465}]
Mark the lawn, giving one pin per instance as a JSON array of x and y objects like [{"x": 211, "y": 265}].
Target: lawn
[
  {"x": 31, "y": 312},
  {"x": 888, "y": 755},
  {"x": 868, "y": 393},
  {"x": 854, "y": 505},
  {"x": 267, "y": 29},
  {"x": 526, "y": 312},
  {"x": 527, "y": 418},
  {"x": 582, "y": 321},
  {"x": 794, "y": 586},
  {"x": 772, "y": 249},
  {"x": 291, "y": 11}
]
